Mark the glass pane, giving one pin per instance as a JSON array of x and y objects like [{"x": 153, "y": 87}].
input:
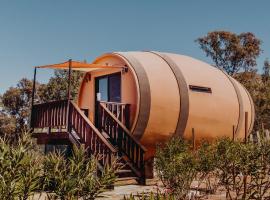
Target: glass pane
[
  {"x": 103, "y": 89},
  {"x": 115, "y": 88}
]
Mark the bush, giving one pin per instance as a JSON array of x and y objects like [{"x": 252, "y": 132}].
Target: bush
[
  {"x": 242, "y": 169},
  {"x": 176, "y": 166},
  {"x": 24, "y": 172},
  {"x": 206, "y": 164},
  {"x": 20, "y": 169},
  {"x": 75, "y": 177}
]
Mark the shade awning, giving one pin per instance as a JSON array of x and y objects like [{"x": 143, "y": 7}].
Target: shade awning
[{"x": 80, "y": 66}]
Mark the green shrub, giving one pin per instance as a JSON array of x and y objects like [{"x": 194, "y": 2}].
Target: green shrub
[
  {"x": 20, "y": 169},
  {"x": 75, "y": 177},
  {"x": 244, "y": 169},
  {"x": 206, "y": 163},
  {"x": 176, "y": 166}
]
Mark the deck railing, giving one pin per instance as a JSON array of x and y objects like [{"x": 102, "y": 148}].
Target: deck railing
[
  {"x": 122, "y": 137},
  {"x": 66, "y": 114},
  {"x": 51, "y": 114},
  {"x": 120, "y": 110}
]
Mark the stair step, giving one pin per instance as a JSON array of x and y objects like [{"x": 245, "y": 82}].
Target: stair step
[
  {"x": 126, "y": 181},
  {"x": 124, "y": 173}
]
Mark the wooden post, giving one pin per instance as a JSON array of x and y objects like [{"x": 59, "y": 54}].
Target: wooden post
[
  {"x": 126, "y": 114},
  {"x": 34, "y": 87},
  {"x": 69, "y": 78},
  {"x": 68, "y": 95},
  {"x": 33, "y": 96},
  {"x": 246, "y": 126},
  {"x": 246, "y": 132},
  {"x": 193, "y": 139}
]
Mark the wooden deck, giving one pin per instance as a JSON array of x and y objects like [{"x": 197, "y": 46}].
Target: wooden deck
[{"x": 66, "y": 123}]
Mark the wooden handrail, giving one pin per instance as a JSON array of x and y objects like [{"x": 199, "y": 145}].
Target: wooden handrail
[
  {"x": 109, "y": 145},
  {"x": 50, "y": 102},
  {"x": 67, "y": 115},
  {"x": 128, "y": 145},
  {"x": 123, "y": 126},
  {"x": 120, "y": 110},
  {"x": 51, "y": 114},
  {"x": 114, "y": 103}
]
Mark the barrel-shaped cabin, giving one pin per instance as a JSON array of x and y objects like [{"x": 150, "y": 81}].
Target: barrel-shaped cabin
[{"x": 136, "y": 100}]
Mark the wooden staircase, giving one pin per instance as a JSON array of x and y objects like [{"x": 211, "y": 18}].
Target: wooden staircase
[{"x": 66, "y": 123}]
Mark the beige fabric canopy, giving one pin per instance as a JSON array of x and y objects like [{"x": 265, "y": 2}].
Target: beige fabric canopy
[{"x": 80, "y": 66}]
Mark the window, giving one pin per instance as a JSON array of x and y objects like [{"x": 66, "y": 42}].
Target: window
[{"x": 196, "y": 88}]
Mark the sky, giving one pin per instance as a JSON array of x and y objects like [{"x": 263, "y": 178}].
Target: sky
[{"x": 36, "y": 32}]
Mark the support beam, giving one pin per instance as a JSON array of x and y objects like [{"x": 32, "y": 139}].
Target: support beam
[
  {"x": 33, "y": 95},
  {"x": 246, "y": 126},
  {"x": 69, "y": 95},
  {"x": 34, "y": 87},
  {"x": 69, "y": 79}
]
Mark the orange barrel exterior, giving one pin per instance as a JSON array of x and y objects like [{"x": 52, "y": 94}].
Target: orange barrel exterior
[{"x": 172, "y": 94}]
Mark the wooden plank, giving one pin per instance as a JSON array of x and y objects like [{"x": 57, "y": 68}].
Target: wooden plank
[{"x": 52, "y": 138}]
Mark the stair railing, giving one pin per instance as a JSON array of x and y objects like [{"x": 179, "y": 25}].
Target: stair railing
[
  {"x": 122, "y": 138},
  {"x": 90, "y": 135},
  {"x": 50, "y": 114},
  {"x": 66, "y": 114},
  {"x": 120, "y": 110}
]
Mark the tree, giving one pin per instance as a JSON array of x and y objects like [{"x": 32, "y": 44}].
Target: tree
[
  {"x": 262, "y": 98},
  {"x": 237, "y": 54},
  {"x": 259, "y": 89},
  {"x": 7, "y": 124},
  {"x": 231, "y": 52},
  {"x": 16, "y": 103},
  {"x": 57, "y": 86},
  {"x": 266, "y": 71}
]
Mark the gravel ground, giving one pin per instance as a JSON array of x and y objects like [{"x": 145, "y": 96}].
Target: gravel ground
[{"x": 119, "y": 192}]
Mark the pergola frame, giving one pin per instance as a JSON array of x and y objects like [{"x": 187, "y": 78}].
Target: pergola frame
[{"x": 70, "y": 66}]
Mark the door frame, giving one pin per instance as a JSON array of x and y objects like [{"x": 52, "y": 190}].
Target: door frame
[{"x": 108, "y": 86}]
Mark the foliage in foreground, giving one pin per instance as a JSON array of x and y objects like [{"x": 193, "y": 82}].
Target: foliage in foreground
[
  {"x": 20, "y": 169},
  {"x": 75, "y": 177},
  {"x": 176, "y": 167},
  {"x": 25, "y": 172},
  {"x": 242, "y": 170}
]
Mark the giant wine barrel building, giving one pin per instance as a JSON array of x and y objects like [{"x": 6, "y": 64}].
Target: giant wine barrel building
[{"x": 148, "y": 97}]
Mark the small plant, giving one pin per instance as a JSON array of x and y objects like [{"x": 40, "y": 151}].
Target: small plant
[
  {"x": 75, "y": 177},
  {"x": 206, "y": 167},
  {"x": 244, "y": 169},
  {"x": 259, "y": 182},
  {"x": 20, "y": 169},
  {"x": 176, "y": 167}
]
